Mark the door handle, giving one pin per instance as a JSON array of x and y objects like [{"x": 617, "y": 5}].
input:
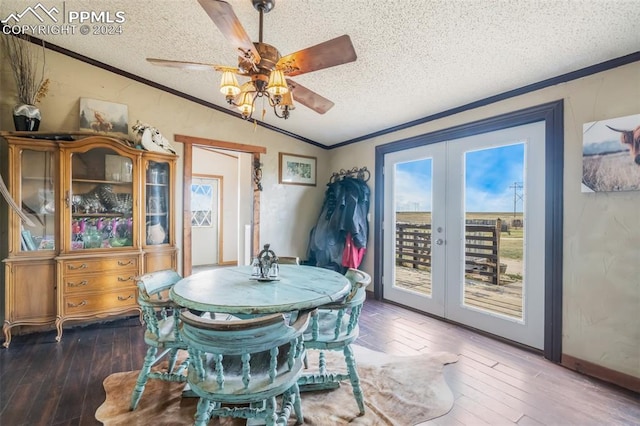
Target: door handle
[{"x": 439, "y": 241}]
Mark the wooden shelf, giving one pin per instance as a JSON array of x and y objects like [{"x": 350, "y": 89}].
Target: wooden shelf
[
  {"x": 46, "y": 178},
  {"x": 97, "y": 215},
  {"x": 111, "y": 182}
]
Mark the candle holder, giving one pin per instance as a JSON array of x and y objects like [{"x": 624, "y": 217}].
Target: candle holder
[{"x": 265, "y": 265}]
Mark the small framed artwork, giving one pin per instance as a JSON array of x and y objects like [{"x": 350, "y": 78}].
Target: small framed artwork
[
  {"x": 611, "y": 155},
  {"x": 297, "y": 169},
  {"x": 104, "y": 117}
]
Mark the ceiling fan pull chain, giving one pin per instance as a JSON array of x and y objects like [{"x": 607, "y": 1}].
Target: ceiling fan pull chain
[{"x": 261, "y": 10}]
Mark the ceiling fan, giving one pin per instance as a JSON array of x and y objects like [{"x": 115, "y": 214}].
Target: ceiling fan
[{"x": 266, "y": 68}]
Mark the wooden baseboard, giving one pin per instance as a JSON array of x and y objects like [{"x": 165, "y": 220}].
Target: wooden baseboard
[
  {"x": 603, "y": 373},
  {"x": 229, "y": 263}
]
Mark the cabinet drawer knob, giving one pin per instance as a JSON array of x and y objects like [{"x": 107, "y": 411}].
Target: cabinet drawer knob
[
  {"x": 80, "y": 284},
  {"x": 120, "y": 298},
  {"x": 76, "y": 305},
  {"x": 123, "y": 263},
  {"x": 125, "y": 279},
  {"x": 73, "y": 267}
]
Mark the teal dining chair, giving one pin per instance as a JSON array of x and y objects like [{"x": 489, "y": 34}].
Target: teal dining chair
[
  {"x": 240, "y": 367},
  {"x": 162, "y": 320},
  {"x": 335, "y": 328}
]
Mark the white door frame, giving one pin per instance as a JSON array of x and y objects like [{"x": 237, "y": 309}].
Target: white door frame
[
  {"x": 448, "y": 214},
  {"x": 553, "y": 116}
]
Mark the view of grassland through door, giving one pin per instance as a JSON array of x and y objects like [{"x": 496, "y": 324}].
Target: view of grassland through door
[{"x": 481, "y": 291}]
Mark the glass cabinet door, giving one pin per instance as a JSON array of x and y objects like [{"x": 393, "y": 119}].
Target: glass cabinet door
[
  {"x": 157, "y": 203},
  {"x": 38, "y": 200},
  {"x": 101, "y": 198}
]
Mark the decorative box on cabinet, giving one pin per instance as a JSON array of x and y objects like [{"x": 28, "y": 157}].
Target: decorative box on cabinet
[{"x": 92, "y": 207}]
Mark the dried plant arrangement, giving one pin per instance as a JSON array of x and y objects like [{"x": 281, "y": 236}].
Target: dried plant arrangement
[{"x": 23, "y": 58}]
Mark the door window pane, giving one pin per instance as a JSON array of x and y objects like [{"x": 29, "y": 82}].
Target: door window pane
[
  {"x": 494, "y": 233},
  {"x": 413, "y": 184},
  {"x": 201, "y": 205}
]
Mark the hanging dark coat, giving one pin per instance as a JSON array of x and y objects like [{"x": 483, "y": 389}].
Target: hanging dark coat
[{"x": 343, "y": 215}]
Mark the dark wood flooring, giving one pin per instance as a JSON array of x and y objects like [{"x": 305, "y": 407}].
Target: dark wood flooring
[{"x": 47, "y": 383}]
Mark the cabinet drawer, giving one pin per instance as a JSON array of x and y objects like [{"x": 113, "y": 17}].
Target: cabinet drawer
[
  {"x": 100, "y": 302},
  {"x": 158, "y": 261},
  {"x": 112, "y": 280},
  {"x": 84, "y": 266}
]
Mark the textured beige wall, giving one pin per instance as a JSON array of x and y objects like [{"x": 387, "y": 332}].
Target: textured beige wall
[
  {"x": 287, "y": 212},
  {"x": 601, "y": 268}
]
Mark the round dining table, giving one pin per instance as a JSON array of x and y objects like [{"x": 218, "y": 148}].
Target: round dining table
[{"x": 234, "y": 290}]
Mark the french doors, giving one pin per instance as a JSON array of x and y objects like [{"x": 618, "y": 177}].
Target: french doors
[{"x": 464, "y": 231}]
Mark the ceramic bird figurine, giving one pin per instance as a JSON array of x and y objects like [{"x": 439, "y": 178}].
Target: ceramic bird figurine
[{"x": 151, "y": 139}]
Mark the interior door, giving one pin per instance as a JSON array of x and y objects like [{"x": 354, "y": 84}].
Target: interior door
[
  {"x": 205, "y": 207},
  {"x": 468, "y": 221}
]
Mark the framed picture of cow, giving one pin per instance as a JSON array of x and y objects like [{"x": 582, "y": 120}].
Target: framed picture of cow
[
  {"x": 104, "y": 117},
  {"x": 611, "y": 154}
]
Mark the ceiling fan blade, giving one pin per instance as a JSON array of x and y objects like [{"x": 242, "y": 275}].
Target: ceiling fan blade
[
  {"x": 181, "y": 64},
  {"x": 309, "y": 98},
  {"x": 324, "y": 55},
  {"x": 222, "y": 14}
]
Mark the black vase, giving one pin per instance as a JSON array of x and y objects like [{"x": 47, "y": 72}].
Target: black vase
[{"x": 26, "y": 118}]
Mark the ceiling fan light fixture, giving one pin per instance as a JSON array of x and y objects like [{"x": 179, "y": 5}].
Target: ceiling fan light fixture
[
  {"x": 264, "y": 66},
  {"x": 229, "y": 85},
  {"x": 287, "y": 101},
  {"x": 277, "y": 85},
  {"x": 245, "y": 104}
]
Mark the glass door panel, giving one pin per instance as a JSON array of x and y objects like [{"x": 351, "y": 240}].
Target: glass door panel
[
  {"x": 101, "y": 200},
  {"x": 38, "y": 200},
  {"x": 494, "y": 235},
  {"x": 157, "y": 203},
  {"x": 413, "y": 202},
  {"x": 485, "y": 194},
  {"x": 495, "y": 262},
  {"x": 414, "y": 261}
]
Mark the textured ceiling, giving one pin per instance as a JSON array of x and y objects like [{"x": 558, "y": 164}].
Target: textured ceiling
[{"x": 415, "y": 57}]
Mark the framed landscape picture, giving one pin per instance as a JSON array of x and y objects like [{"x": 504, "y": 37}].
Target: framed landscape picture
[
  {"x": 297, "y": 169},
  {"x": 104, "y": 117},
  {"x": 611, "y": 154}
]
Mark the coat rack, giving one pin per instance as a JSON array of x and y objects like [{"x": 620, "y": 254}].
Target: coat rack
[{"x": 356, "y": 173}]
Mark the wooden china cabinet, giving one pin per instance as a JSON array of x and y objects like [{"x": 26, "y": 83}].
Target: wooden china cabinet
[{"x": 101, "y": 213}]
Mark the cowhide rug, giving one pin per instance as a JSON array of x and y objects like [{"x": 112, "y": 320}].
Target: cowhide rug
[{"x": 398, "y": 390}]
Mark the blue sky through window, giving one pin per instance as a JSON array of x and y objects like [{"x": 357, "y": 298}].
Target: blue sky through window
[{"x": 489, "y": 176}]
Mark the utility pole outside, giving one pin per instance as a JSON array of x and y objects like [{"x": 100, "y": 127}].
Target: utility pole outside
[{"x": 517, "y": 195}]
